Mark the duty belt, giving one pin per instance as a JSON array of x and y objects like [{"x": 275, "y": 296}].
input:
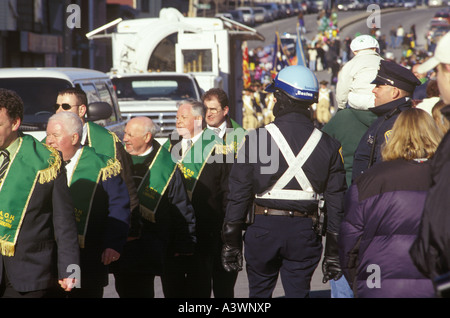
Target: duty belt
[{"x": 261, "y": 210}]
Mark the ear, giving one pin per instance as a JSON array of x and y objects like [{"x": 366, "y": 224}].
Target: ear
[
  {"x": 75, "y": 139},
  {"x": 82, "y": 110},
  {"x": 226, "y": 110},
  {"x": 16, "y": 124},
  {"x": 446, "y": 67},
  {"x": 147, "y": 137}
]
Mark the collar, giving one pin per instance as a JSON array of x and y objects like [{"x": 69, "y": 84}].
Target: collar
[
  {"x": 146, "y": 153},
  {"x": 222, "y": 127},
  {"x": 402, "y": 103}
]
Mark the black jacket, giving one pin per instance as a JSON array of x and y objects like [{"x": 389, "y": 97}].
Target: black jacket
[
  {"x": 368, "y": 151},
  {"x": 257, "y": 169}
]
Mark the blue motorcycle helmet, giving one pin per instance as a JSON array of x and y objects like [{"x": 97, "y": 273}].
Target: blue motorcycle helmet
[{"x": 298, "y": 82}]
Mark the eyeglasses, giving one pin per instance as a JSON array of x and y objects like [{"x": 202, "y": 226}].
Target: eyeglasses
[
  {"x": 213, "y": 110},
  {"x": 64, "y": 106}
]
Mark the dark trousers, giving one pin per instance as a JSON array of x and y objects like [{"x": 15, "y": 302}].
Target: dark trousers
[
  {"x": 7, "y": 291},
  {"x": 285, "y": 246},
  {"x": 223, "y": 282},
  {"x": 187, "y": 276},
  {"x": 134, "y": 285}
]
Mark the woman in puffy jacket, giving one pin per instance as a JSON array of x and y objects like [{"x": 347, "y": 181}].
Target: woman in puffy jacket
[{"x": 383, "y": 209}]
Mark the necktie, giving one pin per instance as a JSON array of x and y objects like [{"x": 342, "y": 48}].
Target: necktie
[
  {"x": 217, "y": 131},
  {"x": 5, "y": 163},
  {"x": 188, "y": 145}
]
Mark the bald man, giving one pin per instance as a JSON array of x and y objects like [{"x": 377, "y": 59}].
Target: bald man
[{"x": 167, "y": 216}]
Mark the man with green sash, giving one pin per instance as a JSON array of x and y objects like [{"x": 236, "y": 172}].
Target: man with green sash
[
  {"x": 38, "y": 238},
  {"x": 101, "y": 201},
  {"x": 202, "y": 159},
  {"x": 218, "y": 120},
  {"x": 104, "y": 142},
  {"x": 168, "y": 219}
]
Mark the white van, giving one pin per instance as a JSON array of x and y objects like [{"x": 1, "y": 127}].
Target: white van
[{"x": 38, "y": 88}]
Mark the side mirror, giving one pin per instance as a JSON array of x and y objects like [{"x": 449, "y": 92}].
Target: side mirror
[{"x": 98, "y": 111}]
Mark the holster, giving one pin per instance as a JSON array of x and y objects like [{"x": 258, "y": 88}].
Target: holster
[{"x": 320, "y": 218}]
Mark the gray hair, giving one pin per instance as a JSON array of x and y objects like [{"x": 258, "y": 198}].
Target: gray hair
[
  {"x": 71, "y": 122},
  {"x": 198, "y": 109}
]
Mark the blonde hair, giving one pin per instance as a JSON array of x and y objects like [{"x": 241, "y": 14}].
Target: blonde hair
[
  {"x": 414, "y": 135},
  {"x": 441, "y": 121}
]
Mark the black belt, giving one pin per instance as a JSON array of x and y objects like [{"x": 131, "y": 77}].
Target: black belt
[{"x": 260, "y": 210}]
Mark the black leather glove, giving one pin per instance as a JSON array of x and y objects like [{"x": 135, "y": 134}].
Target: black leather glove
[
  {"x": 232, "y": 246},
  {"x": 330, "y": 266}
]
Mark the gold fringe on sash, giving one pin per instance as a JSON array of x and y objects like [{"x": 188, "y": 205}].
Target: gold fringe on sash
[
  {"x": 7, "y": 248},
  {"x": 147, "y": 214},
  {"x": 50, "y": 173},
  {"x": 224, "y": 149},
  {"x": 112, "y": 169}
]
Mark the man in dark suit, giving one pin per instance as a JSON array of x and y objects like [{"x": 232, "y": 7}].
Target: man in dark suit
[
  {"x": 217, "y": 119},
  {"x": 101, "y": 200},
  {"x": 37, "y": 223},
  {"x": 205, "y": 166},
  {"x": 167, "y": 216}
]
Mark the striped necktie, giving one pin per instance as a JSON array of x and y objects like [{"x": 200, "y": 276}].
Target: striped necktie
[{"x": 5, "y": 163}]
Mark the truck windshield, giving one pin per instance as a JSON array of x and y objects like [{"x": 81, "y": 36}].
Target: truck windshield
[{"x": 38, "y": 95}]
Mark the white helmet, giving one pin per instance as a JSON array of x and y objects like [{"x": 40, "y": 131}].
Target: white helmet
[{"x": 363, "y": 42}]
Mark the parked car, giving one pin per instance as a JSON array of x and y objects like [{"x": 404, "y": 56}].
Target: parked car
[
  {"x": 237, "y": 15},
  {"x": 154, "y": 95},
  {"x": 38, "y": 88},
  {"x": 410, "y": 3},
  {"x": 248, "y": 14},
  {"x": 259, "y": 14}
]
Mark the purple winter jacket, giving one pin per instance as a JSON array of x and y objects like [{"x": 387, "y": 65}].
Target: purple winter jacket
[{"x": 383, "y": 209}]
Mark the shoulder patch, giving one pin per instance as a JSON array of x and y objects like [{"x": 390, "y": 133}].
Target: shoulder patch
[{"x": 387, "y": 134}]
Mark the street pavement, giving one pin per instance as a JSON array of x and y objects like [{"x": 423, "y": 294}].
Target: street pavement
[{"x": 318, "y": 289}]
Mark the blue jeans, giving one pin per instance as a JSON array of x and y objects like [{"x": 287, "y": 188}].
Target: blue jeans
[{"x": 340, "y": 288}]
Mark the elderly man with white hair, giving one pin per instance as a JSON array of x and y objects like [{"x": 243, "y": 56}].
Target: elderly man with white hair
[
  {"x": 100, "y": 198},
  {"x": 354, "y": 88}
]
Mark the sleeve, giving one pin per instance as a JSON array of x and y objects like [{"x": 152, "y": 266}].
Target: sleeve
[
  {"x": 182, "y": 215},
  {"x": 118, "y": 220},
  {"x": 350, "y": 234},
  {"x": 334, "y": 192},
  {"x": 127, "y": 175},
  {"x": 430, "y": 252},
  {"x": 361, "y": 157},
  {"x": 240, "y": 195},
  {"x": 342, "y": 88},
  {"x": 65, "y": 227}
]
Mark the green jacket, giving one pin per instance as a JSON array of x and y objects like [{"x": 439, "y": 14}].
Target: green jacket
[{"x": 348, "y": 126}]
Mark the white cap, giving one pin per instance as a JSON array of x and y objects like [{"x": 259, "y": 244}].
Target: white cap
[
  {"x": 363, "y": 42},
  {"x": 441, "y": 55}
]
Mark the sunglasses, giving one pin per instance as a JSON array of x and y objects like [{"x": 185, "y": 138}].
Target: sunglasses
[{"x": 64, "y": 106}]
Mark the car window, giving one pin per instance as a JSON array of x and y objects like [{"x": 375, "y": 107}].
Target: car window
[
  {"x": 38, "y": 95},
  {"x": 136, "y": 88}
]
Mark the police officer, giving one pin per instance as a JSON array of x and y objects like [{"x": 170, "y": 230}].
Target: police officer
[
  {"x": 395, "y": 85},
  {"x": 279, "y": 174}
]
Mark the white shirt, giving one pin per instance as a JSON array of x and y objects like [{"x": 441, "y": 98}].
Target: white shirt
[
  {"x": 222, "y": 127},
  {"x": 70, "y": 167},
  {"x": 184, "y": 143}
]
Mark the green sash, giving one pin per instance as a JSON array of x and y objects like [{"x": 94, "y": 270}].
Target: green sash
[
  {"x": 32, "y": 162},
  {"x": 234, "y": 140},
  {"x": 155, "y": 182},
  {"x": 193, "y": 162},
  {"x": 101, "y": 139},
  {"x": 88, "y": 170}
]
